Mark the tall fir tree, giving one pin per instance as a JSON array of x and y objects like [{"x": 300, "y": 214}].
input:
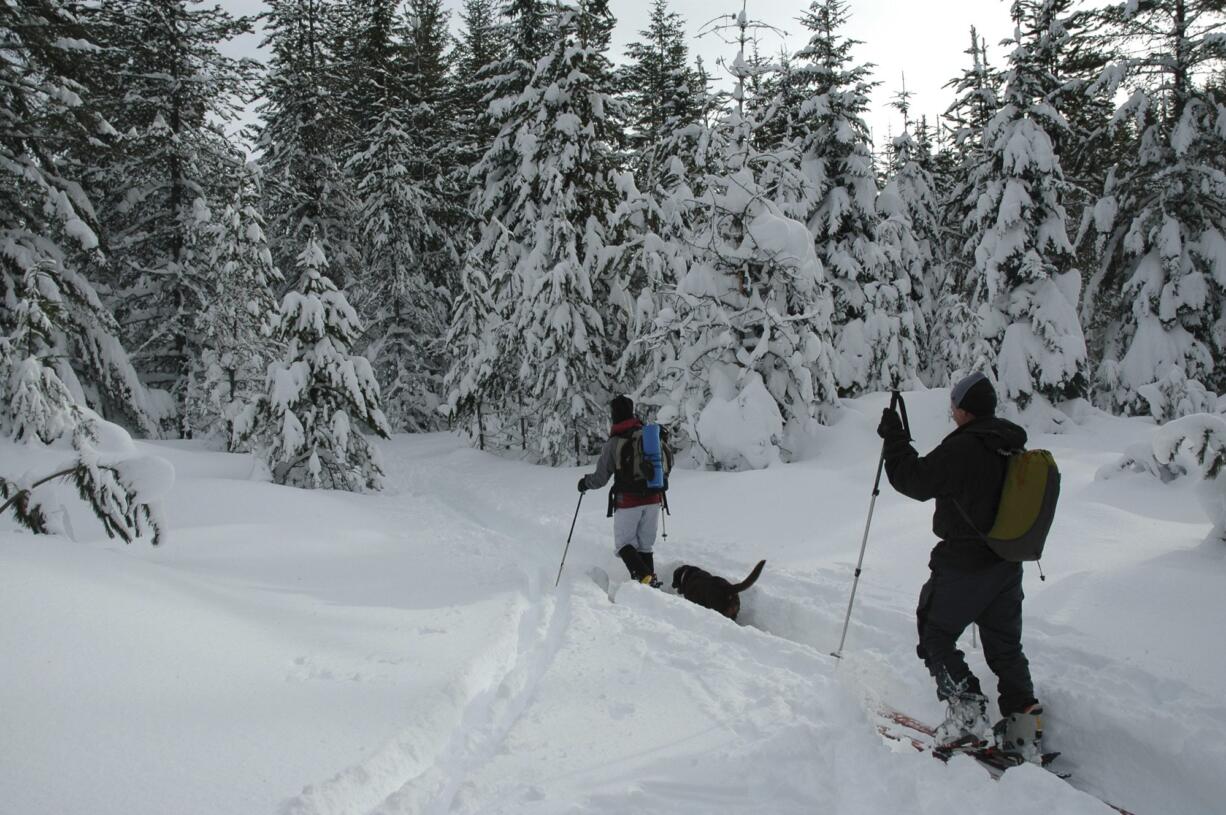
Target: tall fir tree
[
  {"x": 412, "y": 222},
  {"x": 834, "y": 191},
  {"x": 235, "y": 328},
  {"x": 482, "y": 384},
  {"x": 1025, "y": 288},
  {"x": 663, "y": 91},
  {"x": 304, "y": 135},
  {"x": 307, "y": 424},
  {"x": 743, "y": 334},
  {"x": 168, "y": 89},
  {"x": 59, "y": 344},
  {"x": 567, "y": 131},
  {"x": 480, "y": 48},
  {"x": 1162, "y": 216},
  {"x": 954, "y": 339},
  {"x": 909, "y": 233}
]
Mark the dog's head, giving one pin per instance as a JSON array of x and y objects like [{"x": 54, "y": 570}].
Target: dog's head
[{"x": 679, "y": 576}]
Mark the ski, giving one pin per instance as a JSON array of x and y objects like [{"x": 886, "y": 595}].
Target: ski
[
  {"x": 601, "y": 578},
  {"x": 899, "y": 727}
]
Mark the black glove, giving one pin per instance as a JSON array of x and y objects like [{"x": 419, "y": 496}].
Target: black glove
[
  {"x": 583, "y": 484},
  {"x": 891, "y": 424}
]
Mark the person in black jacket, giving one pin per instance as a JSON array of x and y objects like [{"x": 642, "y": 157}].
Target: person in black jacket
[{"x": 969, "y": 583}]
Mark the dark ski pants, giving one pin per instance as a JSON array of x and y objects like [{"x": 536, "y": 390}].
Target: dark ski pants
[{"x": 992, "y": 598}]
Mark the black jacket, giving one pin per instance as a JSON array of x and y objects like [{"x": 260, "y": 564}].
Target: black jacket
[{"x": 968, "y": 467}]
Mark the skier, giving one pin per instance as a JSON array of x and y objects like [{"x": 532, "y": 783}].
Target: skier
[
  {"x": 969, "y": 583},
  {"x": 635, "y": 516}
]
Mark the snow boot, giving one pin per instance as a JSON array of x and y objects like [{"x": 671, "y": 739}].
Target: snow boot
[
  {"x": 649, "y": 560},
  {"x": 1020, "y": 734},
  {"x": 966, "y": 722},
  {"x": 634, "y": 564}
]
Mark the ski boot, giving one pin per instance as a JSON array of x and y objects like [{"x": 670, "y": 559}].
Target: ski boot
[
  {"x": 1020, "y": 735},
  {"x": 966, "y": 725}
]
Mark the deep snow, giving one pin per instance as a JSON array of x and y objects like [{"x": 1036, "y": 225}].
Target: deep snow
[{"x": 288, "y": 651}]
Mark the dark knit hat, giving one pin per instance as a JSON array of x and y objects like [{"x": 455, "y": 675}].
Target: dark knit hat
[
  {"x": 975, "y": 395},
  {"x": 621, "y": 408}
]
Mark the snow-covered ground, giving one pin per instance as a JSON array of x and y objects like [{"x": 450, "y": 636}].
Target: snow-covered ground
[{"x": 305, "y": 652}]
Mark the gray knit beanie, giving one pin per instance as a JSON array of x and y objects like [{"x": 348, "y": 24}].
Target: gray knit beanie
[{"x": 975, "y": 395}]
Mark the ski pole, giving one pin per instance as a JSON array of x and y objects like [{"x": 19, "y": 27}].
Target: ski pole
[
  {"x": 568, "y": 537},
  {"x": 895, "y": 402}
]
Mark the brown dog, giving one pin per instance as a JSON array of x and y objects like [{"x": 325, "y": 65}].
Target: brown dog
[{"x": 713, "y": 592}]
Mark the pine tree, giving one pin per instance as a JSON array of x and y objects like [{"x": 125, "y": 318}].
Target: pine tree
[
  {"x": 834, "y": 191},
  {"x": 305, "y": 135},
  {"x": 1162, "y": 217},
  {"x": 662, "y": 91},
  {"x": 566, "y": 128},
  {"x": 482, "y": 382},
  {"x": 1025, "y": 288},
  {"x": 479, "y": 50},
  {"x": 59, "y": 335},
  {"x": 531, "y": 290},
  {"x": 235, "y": 326},
  {"x": 307, "y": 424},
  {"x": 745, "y": 329},
  {"x": 412, "y": 222},
  {"x": 170, "y": 91},
  {"x": 909, "y": 235},
  {"x": 37, "y": 405},
  {"x": 955, "y": 340}
]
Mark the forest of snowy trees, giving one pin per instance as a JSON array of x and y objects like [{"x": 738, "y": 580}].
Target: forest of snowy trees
[{"x": 497, "y": 229}]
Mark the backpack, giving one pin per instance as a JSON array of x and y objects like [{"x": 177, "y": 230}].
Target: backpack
[
  {"x": 643, "y": 461},
  {"x": 1027, "y": 506}
]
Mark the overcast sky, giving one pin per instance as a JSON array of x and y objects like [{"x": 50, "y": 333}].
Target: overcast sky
[{"x": 923, "y": 38}]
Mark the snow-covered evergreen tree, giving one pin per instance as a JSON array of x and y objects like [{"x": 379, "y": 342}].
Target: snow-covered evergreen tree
[
  {"x": 412, "y": 223},
  {"x": 954, "y": 341},
  {"x": 307, "y": 425},
  {"x": 235, "y": 326},
  {"x": 305, "y": 133},
  {"x": 651, "y": 225},
  {"x": 535, "y": 277},
  {"x": 1162, "y": 217},
  {"x": 743, "y": 337},
  {"x": 57, "y": 332},
  {"x": 833, "y": 189},
  {"x": 662, "y": 89},
  {"x": 479, "y": 50},
  {"x": 483, "y": 380},
  {"x": 37, "y": 406},
  {"x": 169, "y": 90},
  {"x": 1024, "y": 288},
  {"x": 566, "y": 133}
]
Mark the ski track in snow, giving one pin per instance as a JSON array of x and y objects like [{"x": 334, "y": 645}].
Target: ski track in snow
[{"x": 401, "y": 779}]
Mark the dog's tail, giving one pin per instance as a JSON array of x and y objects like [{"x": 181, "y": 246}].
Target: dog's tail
[{"x": 749, "y": 581}]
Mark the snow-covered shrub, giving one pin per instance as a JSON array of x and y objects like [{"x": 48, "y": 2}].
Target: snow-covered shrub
[
  {"x": 739, "y": 430},
  {"x": 1193, "y": 445},
  {"x": 1174, "y": 396},
  {"x": 99, "y": 460}
]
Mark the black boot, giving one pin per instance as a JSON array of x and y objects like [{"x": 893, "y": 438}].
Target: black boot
[
  {"x": 639, "y": 572},
  {"x": 649, "y": 561}
]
